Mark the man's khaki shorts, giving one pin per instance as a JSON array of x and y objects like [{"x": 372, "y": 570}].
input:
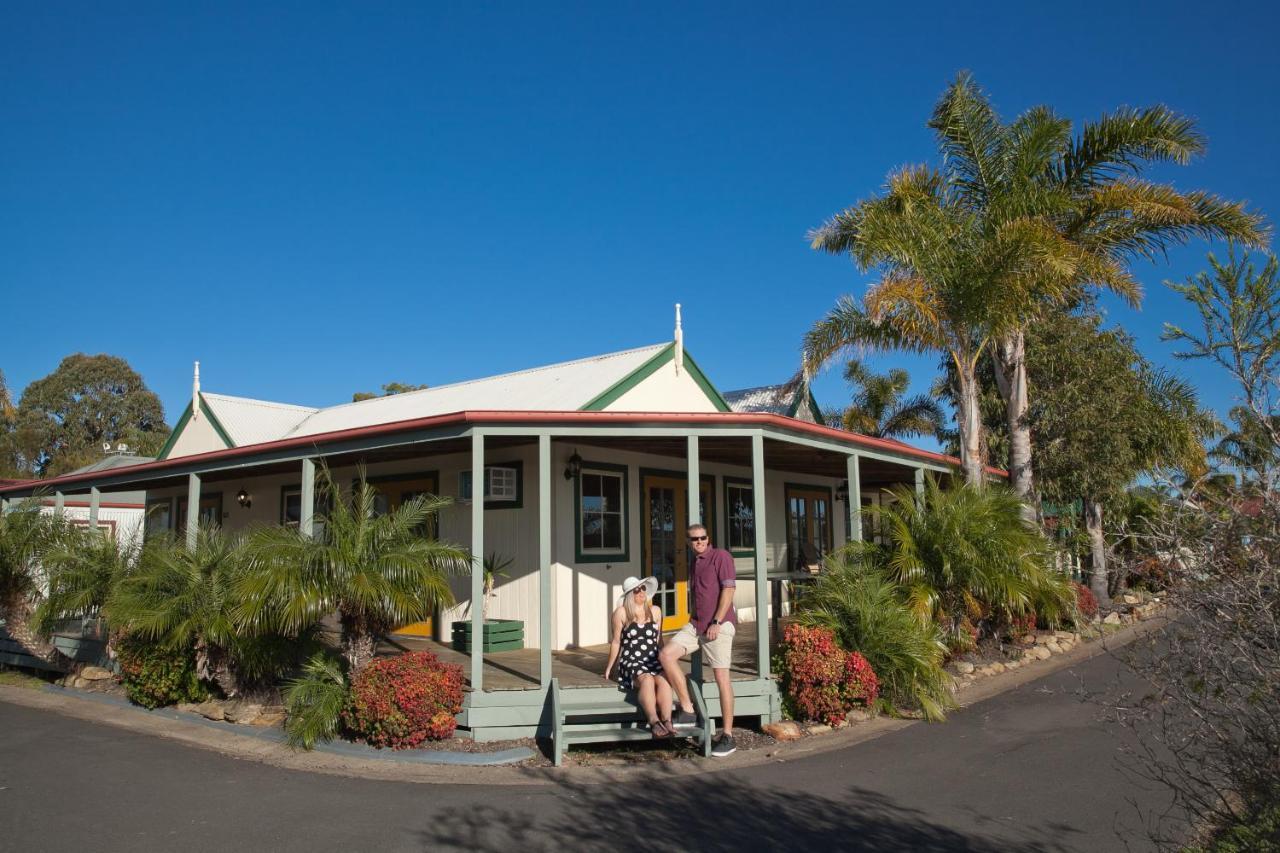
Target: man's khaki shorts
[{"x": 718, "y": 653}]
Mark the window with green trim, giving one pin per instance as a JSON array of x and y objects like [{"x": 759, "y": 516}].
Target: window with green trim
[
  {"x": 602, "y": 512},
  {"x": 740, "y": 507}
]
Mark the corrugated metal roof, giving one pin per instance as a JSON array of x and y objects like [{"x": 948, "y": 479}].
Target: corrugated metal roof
[
  {"x": 770, "y": 399},
  {"x": 567, "y": 386},
  {"x": 255, "y": 421},
  {"x": 113, "y": 460}
]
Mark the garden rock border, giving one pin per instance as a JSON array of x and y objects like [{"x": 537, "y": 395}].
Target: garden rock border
[{"x": 267, "y": 746}]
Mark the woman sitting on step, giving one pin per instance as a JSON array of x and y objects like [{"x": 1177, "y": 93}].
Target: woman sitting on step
[{"x": 637, "y": 636}]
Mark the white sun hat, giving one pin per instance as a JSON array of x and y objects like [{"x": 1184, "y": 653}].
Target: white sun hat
[{"x": 629, "y": 586}]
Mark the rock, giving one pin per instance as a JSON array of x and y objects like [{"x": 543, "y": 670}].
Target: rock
[
  {"x": 1053, "y": 647},
  {"x": 996, "y": 668},
  {"x": 1063, "y": 635},
  {"x": 785, "y": 730},
  {"x": 211, "y": 710},
  {"x": 1113, "y": 618},
  {"x": 269, "y": 718},
  {"x": 858, "y": 716},
  {"x": 1041, "y": 639},
  {"x": 1127, "y": 598},
  {"x": 95, "y": 673},
  {"x": 1075, "y": 638},
  {"x": 1012, "y": 665},
  {"x": 963, "y": 667},
  {"x": 819, "y": 729},
  {"x": 81, "y": 683},
  {"x": 1040, "y": 653},
  {"x": 243, "y": 713}
]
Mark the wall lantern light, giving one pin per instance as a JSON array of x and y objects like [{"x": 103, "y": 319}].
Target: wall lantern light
[
  {"x": 244, "y": 499},
  {"x": 574, "y": 468},
  {"x": 842, "y": 492}
]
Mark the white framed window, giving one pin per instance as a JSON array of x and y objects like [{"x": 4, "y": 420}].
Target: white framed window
[
  {"x": 601, "y": 498},
  {"x": 503, "y": 486}
]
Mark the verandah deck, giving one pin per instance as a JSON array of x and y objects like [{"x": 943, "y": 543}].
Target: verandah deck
[{"x": 515, "y": 705}]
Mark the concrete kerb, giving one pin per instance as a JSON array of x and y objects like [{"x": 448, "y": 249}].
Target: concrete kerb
[{"x": 424, "y": 766}]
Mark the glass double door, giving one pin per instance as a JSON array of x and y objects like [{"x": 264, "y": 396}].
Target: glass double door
[
  {"x": 808, "y": 526},
  {"x": 667, "y": 552}
]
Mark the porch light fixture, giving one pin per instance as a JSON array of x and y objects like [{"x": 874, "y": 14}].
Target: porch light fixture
[
  {"x": 244, "y": 499},
  {"x": 842, "y": 492},
  {"x": 574, "y": 468}
]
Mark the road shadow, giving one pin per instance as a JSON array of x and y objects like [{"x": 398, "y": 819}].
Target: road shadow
[{"x": 711, "y": 814}]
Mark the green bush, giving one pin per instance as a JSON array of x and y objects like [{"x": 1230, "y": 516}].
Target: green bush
[
  {"x": 1258, "y": 833},
  {"x": 154, "y": 674},
  {"x": 404, "y": 700},
  {"x": 314, "y": 702},
  {"x": 964, "y": 557},
  {"x": 864, "y": 610}
]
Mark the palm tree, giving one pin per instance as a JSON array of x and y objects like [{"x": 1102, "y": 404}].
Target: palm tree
[
  {"x": 1087, "y": 188},
  {"x": 81, "y": 570},
  {"x": 375, "y": 571},
  {"x": 945, "y": 283},
  {"x": 187, "y": 598},
  {"x": 26, "y": 533},
  {"x": 963, "y": 555},
  {"x": 878, "y": 408},
  {"x": 1250, "y": 448}
]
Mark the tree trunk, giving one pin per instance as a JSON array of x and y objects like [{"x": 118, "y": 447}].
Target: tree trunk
[
  {"x": 16, "y": 615},
  {"x": 358, "y": 643},
  {"x": 969, "y": 421},
  {"x": 1010, "y": 360},
  {"x": 1098, "y": 552}
]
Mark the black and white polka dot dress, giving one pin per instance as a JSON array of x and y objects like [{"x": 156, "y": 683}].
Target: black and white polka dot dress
[{"x": 638, "y": 653}]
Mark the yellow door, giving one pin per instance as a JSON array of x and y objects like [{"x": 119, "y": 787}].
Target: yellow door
[
  {"x": 391, "y": 494},
  {"x": 666, "y": 515}
]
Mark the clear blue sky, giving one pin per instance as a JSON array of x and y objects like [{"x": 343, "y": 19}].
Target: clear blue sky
[{"x": 314, "y": 199}]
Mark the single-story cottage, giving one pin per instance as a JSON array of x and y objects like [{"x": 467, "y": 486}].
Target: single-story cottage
[{"x": 592, "y": 469}]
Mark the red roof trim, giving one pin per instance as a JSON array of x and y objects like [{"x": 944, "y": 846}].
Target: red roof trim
[{"x": 482, "y": 417}]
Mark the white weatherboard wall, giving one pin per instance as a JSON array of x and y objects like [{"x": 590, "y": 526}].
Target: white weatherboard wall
[{"x": 664, "y": 391}]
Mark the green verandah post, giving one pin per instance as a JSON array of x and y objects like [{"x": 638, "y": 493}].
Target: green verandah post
[
  {"x": 919, "y": 484},
  {"x": 694, "y": 513},
  {"x": 544, "y": 560},
  {"x": 95, "y": 503},
  {"x": 853, "y": 468},
  {"x": 477, "y": 560},
  {"x": 307, "y": 499},
  {"x": 193, "y": 509},
  {"x": 59, "y": 502},
  {"x": 762, "y": 570}
]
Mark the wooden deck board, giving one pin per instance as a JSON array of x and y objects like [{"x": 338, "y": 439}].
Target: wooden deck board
[{"x": 581, "y": 667}]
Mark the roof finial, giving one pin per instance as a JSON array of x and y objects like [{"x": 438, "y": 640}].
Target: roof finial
[
  {"x": 679, "y": 342},
  {"x": 195, "y": 394}
]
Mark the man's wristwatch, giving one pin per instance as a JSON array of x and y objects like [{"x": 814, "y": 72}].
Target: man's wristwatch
[{"x": 714, "y": 622}]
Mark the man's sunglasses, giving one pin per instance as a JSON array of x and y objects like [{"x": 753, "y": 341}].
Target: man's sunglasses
[{"x": 697, "y": 539}]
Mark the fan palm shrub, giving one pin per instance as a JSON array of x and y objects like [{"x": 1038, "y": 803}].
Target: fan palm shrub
[
  {"x": 864, "y": 609},
  {"x": 963, "y": 555},
  {"x": 82, "y": 569},
  {"x": 26, "y": 533},
  {"x": 376, "y": 571},
  {"x": 188, "y": 597},
  {"x": 314, "y": 701}
]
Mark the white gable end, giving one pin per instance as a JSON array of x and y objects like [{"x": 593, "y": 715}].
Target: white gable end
[
  {"x": 198, "y": 436},
  {"x": 665, "y": 391}
]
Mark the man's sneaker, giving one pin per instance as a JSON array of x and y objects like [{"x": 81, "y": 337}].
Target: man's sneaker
[
  {"x": 723, "y": 745},
  {"x": 684, "y": 720}
]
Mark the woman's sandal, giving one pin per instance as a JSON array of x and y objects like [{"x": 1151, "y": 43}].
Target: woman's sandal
[{"x": 661, "y": 729}]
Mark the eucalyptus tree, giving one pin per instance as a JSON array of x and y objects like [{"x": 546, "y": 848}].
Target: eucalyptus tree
[
  {"x": 879, "y": 409},
  {"x": 1088, "y": 189},
  {"x": 376, "y": 571}
]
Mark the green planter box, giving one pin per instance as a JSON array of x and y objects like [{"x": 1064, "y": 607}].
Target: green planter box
[{"x": 500, "y": 635}]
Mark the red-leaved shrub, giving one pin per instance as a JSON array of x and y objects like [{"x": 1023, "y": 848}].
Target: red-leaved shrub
[
  {"x": 1086, "y": 602},
  {"x": 1022, "y": 625},
  {"x": 401, "y": 701},
  {"x": 822, "y": 680}
]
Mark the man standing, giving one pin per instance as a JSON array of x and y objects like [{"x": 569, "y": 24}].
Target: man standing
[{"x": 712, "y": 624}]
